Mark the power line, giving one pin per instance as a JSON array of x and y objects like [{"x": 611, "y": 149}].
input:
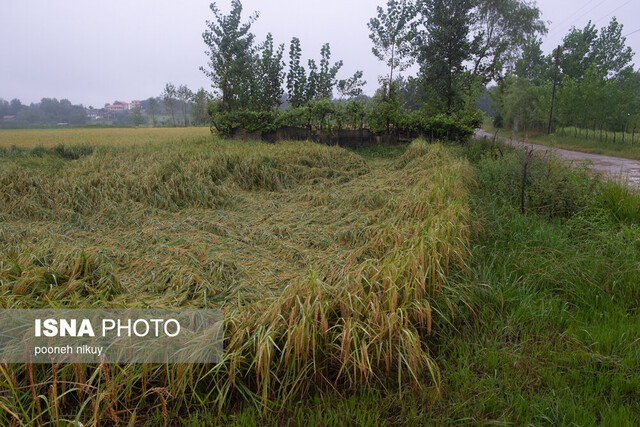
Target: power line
[
  {"x": 582, "y": 16},
  {"x": 613, "y": 11},
  {"x": 573, "y": 13},
  {"x": 632, "y": 32}
]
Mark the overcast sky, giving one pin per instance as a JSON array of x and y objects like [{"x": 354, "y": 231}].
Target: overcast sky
[{"x": 95, "y": 52}]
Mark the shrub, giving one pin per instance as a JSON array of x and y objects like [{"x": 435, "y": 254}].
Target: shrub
[
  {"x": 551, "y": 188},
  {"x": 227, "y": 123}
]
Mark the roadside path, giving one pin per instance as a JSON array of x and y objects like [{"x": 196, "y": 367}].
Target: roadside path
[{"x": 612, "y": 167}]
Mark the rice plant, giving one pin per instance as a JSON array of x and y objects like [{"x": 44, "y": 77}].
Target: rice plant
[{"x": 332, "y": 271}]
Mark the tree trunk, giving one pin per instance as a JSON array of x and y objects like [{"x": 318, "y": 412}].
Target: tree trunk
[
  {"x": 393, "y": 54},
  {"x": 600, "y": 132}
]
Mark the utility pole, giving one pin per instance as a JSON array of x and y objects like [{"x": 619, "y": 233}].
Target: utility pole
[{"x": 553, "y": 95}]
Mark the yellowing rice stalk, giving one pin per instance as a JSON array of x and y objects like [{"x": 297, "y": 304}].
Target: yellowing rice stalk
[
  {"x": 113, "y": 137},
  {"x": 332, "y": 271}
]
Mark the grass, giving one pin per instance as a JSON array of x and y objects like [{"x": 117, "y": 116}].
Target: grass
[
  {"x": 112, "y": 137},
  {"x": 577, "y": 140},
  {"x": 556, "y": 340},
  {"x": 384, "y": 286}
]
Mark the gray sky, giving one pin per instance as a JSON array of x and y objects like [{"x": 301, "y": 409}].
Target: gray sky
[{"x": 94, "y": 52}]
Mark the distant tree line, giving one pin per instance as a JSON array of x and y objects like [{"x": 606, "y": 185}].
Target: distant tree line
[
  {"x": 178, "y": 106},
  {"x": 174, "y": 107},
  {"x": 49, "y": 111},
  {"x": 597, "y": 89},
  {"x": 459, "y": 45}
]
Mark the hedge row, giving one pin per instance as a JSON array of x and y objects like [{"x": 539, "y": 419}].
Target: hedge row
[{"x": 329, "y": 117}]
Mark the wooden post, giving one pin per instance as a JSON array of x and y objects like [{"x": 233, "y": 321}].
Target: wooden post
[
  {"x": 528, "y": 154},
  {"x": 553, "y": 95}
]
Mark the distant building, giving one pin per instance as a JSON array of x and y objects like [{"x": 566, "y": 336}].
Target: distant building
[
  {"x": 8, "y": 118},
  {"x": 94, "y": 114},
  {"x": 135, "y": 104},
  {"x": 118, "y": 107}
]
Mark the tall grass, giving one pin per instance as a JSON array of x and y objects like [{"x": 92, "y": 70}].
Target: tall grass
[
  {"x": 622, "y": 200},
  {"x": 332, "y": 271}
]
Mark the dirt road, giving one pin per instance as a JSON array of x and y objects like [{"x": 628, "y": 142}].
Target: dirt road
[{"x": 612, "y": 167}]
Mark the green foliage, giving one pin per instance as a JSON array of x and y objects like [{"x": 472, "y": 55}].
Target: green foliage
[
  {"x": 321, "y": 80},
  {"x": 597, "y": 91},
  {"x": 382, "y": 115},
  {"x": 392, "y": 34},
  {"x": 297, "y": 76},
  {"x": 502, "y": 29},
  {"x": 458, "y": 127},
  {"x": 199, "y": 110},
  {"x": 326, "y": 79},
  {"x": 610, "y": 54},
  {"x": 295, "y": 117},
  {"x": 463, "y": 45},
  {"x": 169, "y": 96},
  {"x": 356, "y": 111},
  {"x": 531, "y": 64},
  {"x": 270, "y": 76},
  {"x": 384, "y": 109},
  {"x": 47, "y": 112},
  {"x": 321, "y": 115},
  {"x": 185, "y": 96},
  {"x": 577, "y": 48},
  {"x": 227, "y": 123},
  {"x": 351, "y": 87},
  {"x": 231, "y": 56},
  {"x": 524, "y": 106},
  {"x": 443, "y": 47},
  {"x": 136, "y": 117},
  {"x": 550, "y": 341}
]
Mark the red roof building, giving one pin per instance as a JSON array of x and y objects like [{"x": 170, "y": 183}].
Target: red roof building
[{"x": 118, "y": 107}]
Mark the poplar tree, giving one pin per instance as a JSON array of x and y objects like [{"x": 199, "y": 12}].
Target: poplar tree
[
  {"x": 296, "y": 77},
  {"x": 231, "y": 56},
  {"x": 392, "y": 34}
]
